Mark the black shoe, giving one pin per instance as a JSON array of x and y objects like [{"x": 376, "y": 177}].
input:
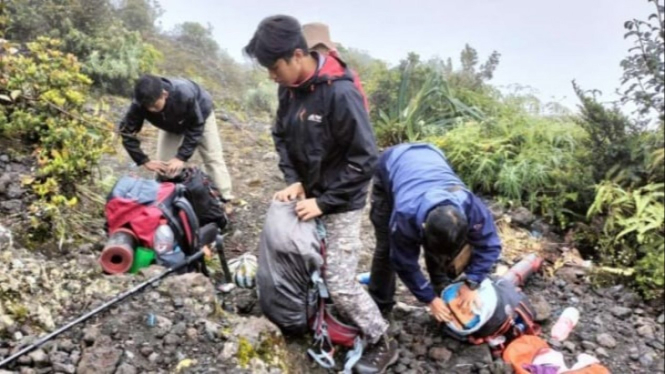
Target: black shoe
[{"x": 378, "y": 357}]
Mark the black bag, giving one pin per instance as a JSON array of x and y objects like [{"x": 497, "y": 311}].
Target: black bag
[{"x": 202, "y": 194}]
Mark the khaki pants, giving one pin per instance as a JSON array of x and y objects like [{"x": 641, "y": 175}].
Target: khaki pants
[{"x": 210, "y": 150}]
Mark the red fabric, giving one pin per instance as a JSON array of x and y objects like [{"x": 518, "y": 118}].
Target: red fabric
[
  {"x": 356, "y": 80},
  {"x": 141, "y": 219}
]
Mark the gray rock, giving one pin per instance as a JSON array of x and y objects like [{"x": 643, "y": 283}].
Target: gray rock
[
  {"x": 146, "y": 350},
  {"x": 4, "y": 159},
  {"x": 154, "y": 356},
  {"x": 420, "y": 350},
  {"x": 192, "y": 333},
  {"x": 621, "y": 312},
  {"x": 212, "y": 329},
  {"x": 647, "y": 359},
  {"x": 90, "y": 335},
  {"x": 254, "y": 329},
  {"x": 661, "y": 318},
  {"x": 606, "y": 340},
  {"x": 171, "y": 339},
  {"x": 58, "y": 356},
  {"x": 541, "y": 307},
  {"x": 60, "y": 367},
  {"x": 522, "y": 217},
  {"x": 14, "y": 191},
  {"x": 101, "y": 358},
  {"x": 11, "y": 206},
  {"x": 270, "y": 156},
  {"x": 67, "y": 345},
  {"x": 497, "y": 210},
  {"x": 646, "y": 331},
  {"x": 400, "y": 368},
  {"x": 228, "y": 351},
  {"x": 24, "y": 370},
  {"x": 602, "y": 352},
  {"x": 589, "y": 346},
  {"x": 179, "y": 328},
  {"x": 39, "y": 357},
  {"x": 126, "y": 368},
  {"x": 569, "y": 346},
  {"x": 162, "y": 326},
  {"x": 24, "y": 360},
  {"x": 634, "y": 353},
  {"x": 440, "y": 354}
]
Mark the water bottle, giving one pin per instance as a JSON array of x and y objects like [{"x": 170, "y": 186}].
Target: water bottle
[
  {"x": 163, "y": 239},
  {"x": 565, "y": 324}
]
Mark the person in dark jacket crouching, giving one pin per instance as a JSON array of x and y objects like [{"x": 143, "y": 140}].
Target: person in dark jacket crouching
[
  {"x": 327, "y": 153},
  {"x": 183, "y": 112},
  {"x": 418, "y": 200}
]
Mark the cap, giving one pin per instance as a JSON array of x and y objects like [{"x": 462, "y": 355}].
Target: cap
[{"x": 317, "y": 33}]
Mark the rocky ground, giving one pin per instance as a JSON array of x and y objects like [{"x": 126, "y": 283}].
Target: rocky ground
[{"x": 184, "y": 325}]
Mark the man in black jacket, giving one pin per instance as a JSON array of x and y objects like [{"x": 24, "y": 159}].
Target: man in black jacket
[
  {"x": 327, "y": 153},
  {"x": 183, "y": 112}
]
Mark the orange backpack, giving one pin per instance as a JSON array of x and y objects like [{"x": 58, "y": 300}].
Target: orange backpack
[{"x": 524, "y": 349}]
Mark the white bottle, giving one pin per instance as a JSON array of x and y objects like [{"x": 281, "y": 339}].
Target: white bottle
[
  {"x": 163, "y": 239},
  {"x": 565, "y": 324}
]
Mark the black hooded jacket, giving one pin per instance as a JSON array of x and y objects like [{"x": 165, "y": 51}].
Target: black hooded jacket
[
  {"x": 324, "y": 138},
  {"x": 185, "y": 112}
]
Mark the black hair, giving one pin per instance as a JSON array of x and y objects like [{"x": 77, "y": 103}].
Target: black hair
[
  {"x": 148, "y": 89},
  {"x": 445, "y": 231},
  {"x": 276, "y": 37}
]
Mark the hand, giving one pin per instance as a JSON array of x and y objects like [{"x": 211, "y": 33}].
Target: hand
[
  {"x": 292, "y": 192},
  {"x": 174, "y": 166},
  {"x": 308, "y": 209},
  {"x": 155, "y": 166},
  {"x": 440, "y": 310},
  {"x": 468, "y": 298}
]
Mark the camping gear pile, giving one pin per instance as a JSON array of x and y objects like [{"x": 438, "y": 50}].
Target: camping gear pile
[{"x": 158, "y": 221}]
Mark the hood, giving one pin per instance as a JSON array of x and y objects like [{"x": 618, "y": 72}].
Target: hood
[{"x": 333, "y": 69}]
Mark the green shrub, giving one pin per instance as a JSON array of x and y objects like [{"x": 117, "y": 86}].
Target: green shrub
[
  {"x": 42, "y": 105},
  {"x": 634, "y": 231},
  {"x": 523, "y": 160}
]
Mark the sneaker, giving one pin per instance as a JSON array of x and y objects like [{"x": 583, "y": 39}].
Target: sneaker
[
  {"x": 393, "y": 327},
  {"x": 378, "y": 357}
]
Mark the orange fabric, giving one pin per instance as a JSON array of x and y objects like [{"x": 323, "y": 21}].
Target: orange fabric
[{"x": 522, "y": 350}]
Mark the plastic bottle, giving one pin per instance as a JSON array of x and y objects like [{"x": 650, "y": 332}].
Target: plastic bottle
[
  {"x": 565, "y": 324},
  {"x": 163, "y": 239}
]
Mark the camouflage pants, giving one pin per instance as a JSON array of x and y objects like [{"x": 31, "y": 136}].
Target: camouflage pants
[{"x": 350, "y": 298}]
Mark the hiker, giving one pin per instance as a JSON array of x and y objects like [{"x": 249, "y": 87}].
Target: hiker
[
  {"x": 183, "y": 112},
  {"x": 318, "y": 39},
  {"x": 417, "y": 199},
  {"x": 327, "y": 154}
]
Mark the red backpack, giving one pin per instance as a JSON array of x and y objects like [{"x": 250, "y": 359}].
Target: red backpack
[{"x": 139, "y": 204}]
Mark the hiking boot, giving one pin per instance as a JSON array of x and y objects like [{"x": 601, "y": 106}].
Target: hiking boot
[
  {"x": 378, "y": 357},
  {"x": 393, "y": 327}
]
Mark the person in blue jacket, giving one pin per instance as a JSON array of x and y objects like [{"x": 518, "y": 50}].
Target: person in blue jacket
[{"x": 418, "y": 200}]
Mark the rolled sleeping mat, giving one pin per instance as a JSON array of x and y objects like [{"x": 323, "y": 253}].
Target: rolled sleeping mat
[
  {"x": 519, "y": 273},
  {"x": 118, "y": 254}
]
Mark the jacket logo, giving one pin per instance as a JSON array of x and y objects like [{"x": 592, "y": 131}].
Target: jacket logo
[{"x": 314, "y": 118}]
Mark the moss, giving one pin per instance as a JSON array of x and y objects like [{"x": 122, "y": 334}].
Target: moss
[
  {"x": 270, "y": 350},
  {"x": 245, "y": 352}
]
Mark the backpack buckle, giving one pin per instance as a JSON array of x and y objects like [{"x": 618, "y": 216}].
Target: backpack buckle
[{"x": 322, "y": 350}]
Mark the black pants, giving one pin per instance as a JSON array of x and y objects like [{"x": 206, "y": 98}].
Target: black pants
[{"x": 382, "y": 281}]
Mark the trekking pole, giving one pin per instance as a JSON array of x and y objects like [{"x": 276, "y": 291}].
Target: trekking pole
[{"x": 189, "y": 260}]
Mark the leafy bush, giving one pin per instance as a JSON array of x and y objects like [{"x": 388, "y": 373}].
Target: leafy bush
[
  {"x": 262, "y": 98},
  {"x": 523, "y": 160},
  {"x": 430, "y": 110},
  {"x": 42, "y": 105},
  {"x": 634, "y": 231}
]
